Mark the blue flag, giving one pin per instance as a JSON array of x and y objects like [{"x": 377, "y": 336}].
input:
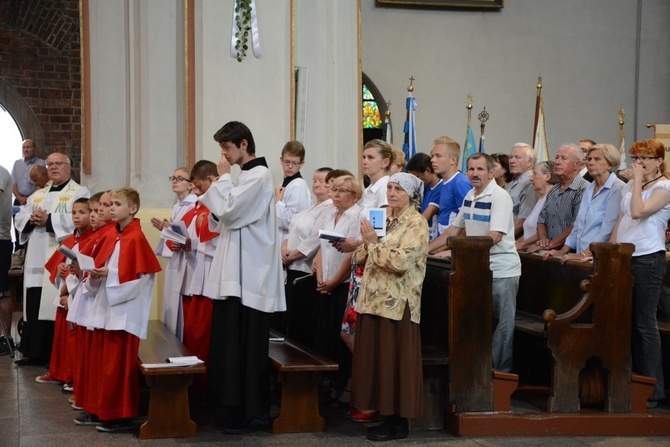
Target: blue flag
[
  {"x": 482, "y": 149},
  {"x": 469, "y": 148},
  {"x": 409, "y": 146}
]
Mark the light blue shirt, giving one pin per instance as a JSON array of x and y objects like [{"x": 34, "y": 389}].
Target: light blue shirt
[{"x": 597, "y": 214}]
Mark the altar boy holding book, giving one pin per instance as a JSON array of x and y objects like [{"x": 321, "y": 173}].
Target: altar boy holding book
[
  {"x": 61, "y": 367},
  {"x": 125, "y": 282}
]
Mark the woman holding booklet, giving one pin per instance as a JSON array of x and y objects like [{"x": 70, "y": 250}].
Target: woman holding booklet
[
  {"x": 332, "y": 269},
  {"x": 387, "y": 370}
]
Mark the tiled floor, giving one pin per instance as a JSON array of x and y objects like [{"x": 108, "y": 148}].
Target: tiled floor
[{"x": 33, "y": 414}]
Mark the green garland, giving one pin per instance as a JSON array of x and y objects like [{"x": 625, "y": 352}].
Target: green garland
[{"x": 243, "y": 22}]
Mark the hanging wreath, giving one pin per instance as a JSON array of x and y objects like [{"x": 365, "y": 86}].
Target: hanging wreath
[{"x": 243, "y": 24}]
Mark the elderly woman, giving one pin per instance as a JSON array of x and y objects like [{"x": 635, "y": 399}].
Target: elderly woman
[
  {"x": 599, "y": 208},
  {"x": 332, "y": 268},
  {"x": 387, "y": 373},
  {"x": 645, "y": 210},
  {"x": 543, "y": 179}
]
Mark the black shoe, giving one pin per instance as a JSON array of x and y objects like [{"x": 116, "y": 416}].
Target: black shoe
[
  {"x": 394, "y": 428},
  {"x": 242, "y": 425},
  {"x": 115, "y": 425},
  {"x": 237, "y": 426},
  {"x": 87, "y": 419},
  {"x": 26, "y": 362},
  {"x": 4, "y": 346}
]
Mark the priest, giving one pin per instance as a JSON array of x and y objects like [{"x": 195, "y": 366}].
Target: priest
[{"x": 44, "y": 221}]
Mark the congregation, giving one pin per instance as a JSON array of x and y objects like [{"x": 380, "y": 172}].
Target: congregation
[{"x": 315, "y": 266}]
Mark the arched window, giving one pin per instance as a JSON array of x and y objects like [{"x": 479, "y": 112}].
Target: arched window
[
  {"x": 10, "y": 140},
  {"x": 371, "y": 116},
  {"x": 373, "y": 111}
]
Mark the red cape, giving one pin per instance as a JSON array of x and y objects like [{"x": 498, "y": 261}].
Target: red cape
[
  {"x": 57, "y": 258},
  {"x": 202, "y": 231},
  {"x": 136, "y": 256}
]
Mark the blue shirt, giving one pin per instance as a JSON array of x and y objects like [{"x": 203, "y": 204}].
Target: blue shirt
[
  {"x": 21, "y": 175},
  {"x": 597, "y": 215},
  {"x": 451, "y": 199},
  {"x": 431, "y": 196}
]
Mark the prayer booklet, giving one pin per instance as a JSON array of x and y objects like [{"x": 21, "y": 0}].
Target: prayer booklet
[
  {"x": 377, "y": 217},
  {"x": 86, "y": 263},
  {"x": 176, "y": 232},
  {"x": 184, "y": 361},
  {"x": 331, "y": 236},
  {"x": 71, "y": 255}
]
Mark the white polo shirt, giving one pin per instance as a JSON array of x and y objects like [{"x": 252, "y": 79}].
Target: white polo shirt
[{"x": 492, "y": 211}]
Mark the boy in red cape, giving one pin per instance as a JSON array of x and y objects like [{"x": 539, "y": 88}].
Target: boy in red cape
[
  {"x": 79, "y": 310},
  {"x": 61, "y": 366},
  {"x": 124, "y": 279},
  {"x": 197, "y": 308}
]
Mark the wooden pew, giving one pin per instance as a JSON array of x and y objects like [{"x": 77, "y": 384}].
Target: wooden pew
[
  {"x": 597, "y": 324},
  {"x": 456, "y": 328},
  {"x": 299, "y": 370},
  {"x": 169, "y": 413}
]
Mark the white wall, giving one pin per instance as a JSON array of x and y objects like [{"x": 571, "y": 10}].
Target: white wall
[
  {"x": 137, "y": 115},
  {"x": 326, "y": 42},
  {"x": 255, "y": 91},
  {"x": 584, "y": 50}
]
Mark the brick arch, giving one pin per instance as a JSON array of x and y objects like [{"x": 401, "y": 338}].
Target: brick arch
[
  {"x": 40, "y": 72},
  {"x": 24, "y": 117}
]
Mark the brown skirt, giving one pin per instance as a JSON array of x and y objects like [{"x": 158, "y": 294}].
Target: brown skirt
[{"x": 387, "y": 372}]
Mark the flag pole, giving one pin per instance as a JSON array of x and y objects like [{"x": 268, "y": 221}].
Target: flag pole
[
  {"x": 538, "y": 98},
  {"x": 388, "y": 133},
  {"x": 468, "y": 145},
  {"x": 483, "y": 118},
  {"x": 469, "y": 107},
  {"x": 622, "y": 115},
  {"x": 409, "y": 145}
]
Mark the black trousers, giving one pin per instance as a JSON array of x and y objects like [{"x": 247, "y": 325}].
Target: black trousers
[
  {"x": 238, "y": 373},
  {"x": 38, "y": 335}
]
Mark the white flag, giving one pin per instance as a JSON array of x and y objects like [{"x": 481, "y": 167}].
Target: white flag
[
  {"x": 541, "y": 148},
  {"x": 623, "y": 164}
]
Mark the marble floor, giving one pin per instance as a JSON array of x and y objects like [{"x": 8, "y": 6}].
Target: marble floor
[{"x": 33, "y": 414}]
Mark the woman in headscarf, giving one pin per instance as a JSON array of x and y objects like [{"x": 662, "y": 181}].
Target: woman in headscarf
[{"x": 387, "y": 370}]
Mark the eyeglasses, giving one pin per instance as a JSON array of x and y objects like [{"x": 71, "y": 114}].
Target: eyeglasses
[
  {"x": 291, "y": 163},
  {"x": 339, "y": 190},
  {"x": 57, "y": 164},
  {"x": 636, "y": 158},
  {"x": 172, "y": 178}
]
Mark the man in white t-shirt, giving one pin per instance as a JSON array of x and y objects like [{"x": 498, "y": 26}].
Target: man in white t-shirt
[{"x": 487, "y": 211}]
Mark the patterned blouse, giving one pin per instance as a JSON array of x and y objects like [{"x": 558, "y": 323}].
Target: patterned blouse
[{"x": 394, "y": 268}]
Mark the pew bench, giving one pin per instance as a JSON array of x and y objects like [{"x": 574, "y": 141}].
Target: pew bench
[
  {"x": 586, "y": 314},
  {"x": 169, "y": 413},
  {"x": 299, "y": 370}
]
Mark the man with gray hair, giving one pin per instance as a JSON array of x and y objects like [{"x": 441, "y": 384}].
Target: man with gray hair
[
  {"x": 562, "y": 204},
  {"x": 43, "y": 222},
  {"x": 521, "y": 162}
]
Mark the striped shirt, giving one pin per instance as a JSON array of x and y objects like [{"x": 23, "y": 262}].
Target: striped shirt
[
  {"x": 492, "y": 211},
  {"x": 561, "y": 207}
]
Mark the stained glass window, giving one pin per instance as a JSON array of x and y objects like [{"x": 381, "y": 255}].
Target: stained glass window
[{"x": 371, "y": 116}]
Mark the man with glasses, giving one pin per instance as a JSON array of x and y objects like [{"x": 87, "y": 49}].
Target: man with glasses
[
  {"x": 293, "y": 195},
  {"x": 562, "y": 204},
  {"x": 44, "y": 221}
]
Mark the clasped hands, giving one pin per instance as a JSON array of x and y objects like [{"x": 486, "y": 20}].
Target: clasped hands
[{"x": 39, "y": 217}]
